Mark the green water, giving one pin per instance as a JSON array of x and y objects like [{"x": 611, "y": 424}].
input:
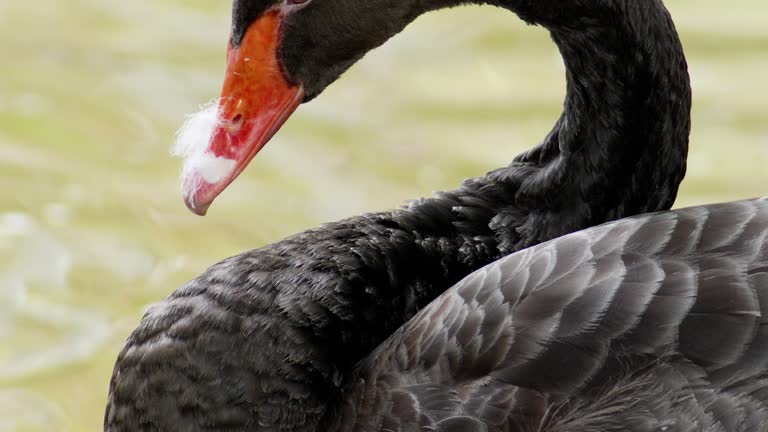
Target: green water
[{"x": 92, "y": 227}]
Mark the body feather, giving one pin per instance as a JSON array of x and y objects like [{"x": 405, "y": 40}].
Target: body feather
[{"x": 651, "y": 323}]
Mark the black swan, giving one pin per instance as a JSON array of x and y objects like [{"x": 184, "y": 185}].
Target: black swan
[{"x": 268, "y": 340}]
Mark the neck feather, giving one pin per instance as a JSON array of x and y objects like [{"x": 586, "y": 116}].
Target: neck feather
[{"x": 622, "y": 140}]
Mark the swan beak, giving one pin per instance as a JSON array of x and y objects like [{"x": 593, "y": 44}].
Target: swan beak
[{"x": 256, "y": 99}]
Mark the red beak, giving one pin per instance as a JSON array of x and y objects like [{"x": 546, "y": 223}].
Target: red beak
[{"x": 256, "y": 100}]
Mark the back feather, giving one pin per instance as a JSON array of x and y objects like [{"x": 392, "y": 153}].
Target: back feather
[{"x": 650, "y": 323}]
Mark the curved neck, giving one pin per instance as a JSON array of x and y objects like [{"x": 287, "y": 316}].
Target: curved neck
[{"x": 621, "y": 143}]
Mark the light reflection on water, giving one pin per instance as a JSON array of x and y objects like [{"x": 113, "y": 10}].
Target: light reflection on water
[
  {"x": 92, "y": 228},
  {"x": 42, "y": 333},
  {"x": 21, "y": 410}
]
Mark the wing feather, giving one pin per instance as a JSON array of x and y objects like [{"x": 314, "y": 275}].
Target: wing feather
[{"x": 656, "y": 322}]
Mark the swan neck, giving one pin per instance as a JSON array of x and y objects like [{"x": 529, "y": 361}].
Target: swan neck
[{"x": 621, "y": 144}]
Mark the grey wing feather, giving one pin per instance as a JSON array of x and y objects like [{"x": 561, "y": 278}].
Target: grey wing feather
[{"x": 655, "y": 322}]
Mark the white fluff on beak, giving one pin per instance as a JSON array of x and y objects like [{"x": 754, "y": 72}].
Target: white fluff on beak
[{"x": 193, "y": 145}]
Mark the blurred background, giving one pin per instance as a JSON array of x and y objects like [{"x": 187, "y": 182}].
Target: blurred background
[{"x": 93, "y": 228}]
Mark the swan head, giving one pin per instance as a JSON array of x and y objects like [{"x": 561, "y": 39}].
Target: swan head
[{"x": 281, "y": 53}]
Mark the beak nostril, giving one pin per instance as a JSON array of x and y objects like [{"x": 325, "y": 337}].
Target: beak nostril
[{"x": 236, "y": 123}]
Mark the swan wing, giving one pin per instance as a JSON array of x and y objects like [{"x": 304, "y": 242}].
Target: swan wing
[{"x": 650, "y": 323}]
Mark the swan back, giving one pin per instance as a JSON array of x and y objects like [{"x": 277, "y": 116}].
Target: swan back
[{"x": 650, "y": 323}]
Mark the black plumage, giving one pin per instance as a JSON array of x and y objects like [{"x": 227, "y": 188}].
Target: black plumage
[
  {"x": 650, "y": 323},
  {"x": 269, "y": 339}
]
